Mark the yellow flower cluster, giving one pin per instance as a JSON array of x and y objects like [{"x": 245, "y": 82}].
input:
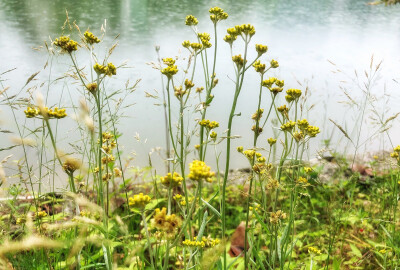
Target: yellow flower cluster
[
  {"x": 217, "y": 14},
  {"x": 395, "y": 153},
  {"x": 92, "y": 87},
  {"x": 57, "y": 113},
  {"x": 164, "y": 222},
  {"x": 90, "y": 38},
  {"x": 191, "y": 20},
  {"x": 213, "y": 135},
  {"x": 259, "y": 67},
  {"x": 302, "y": 181},
  {"x": 41, "y": 214},
  {"x": 283, "y": 109},
  {"x": 108, "y": 142},
  {"x": 188, "y": 84},
  {"x": 298, "y": 136},
  {"x": 269, "y": 83},
  {"x": 302, "y": 124},
  {"x": 288, "y": 126},
  {"x": 205, "y": 242},
  {"x": 274, "y": 64},
  {"x": 171, "y": 68},
  {"x": 277, "y": 216},
  {"x": 117, "y": 172},
  {"x": 209, "y": 124},
  {"x": 182, "y": 201},
  {"x": 241, "y": 30},
  {"x": 257, "y": 115},
  {"x": 139, "y": 200},
  {"x": 312, "y": 131},
  {"x": 172, "y": 179},
  {"x": 271, "y": 141},
  {"x": 66, "y": 44},
  {"x": 196, "y": 46},
  {"x": 179, "y": 92},
  {"x": 200, "y": 171},
  {"x": 259, "y": 130},
  {"x": 308, "y": 170},
  {"x": 314, "y": 250},
  {"x": 109, "y": 70},
  {"x": 238, "y": 60},
  {"x": 261, "y": 49},
  {"x": 205, "y": 39},
  {"x": 292, "y": 95}
]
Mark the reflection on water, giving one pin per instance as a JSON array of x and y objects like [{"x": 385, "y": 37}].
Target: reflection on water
[{"x": 301, "y": 35}]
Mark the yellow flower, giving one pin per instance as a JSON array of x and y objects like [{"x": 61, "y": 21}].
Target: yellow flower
[
  {"x": 41, "y": 214},
  {"x": 259, "y": 67},
  {"x": 230, "y": 39},
  {"x": 308, "y": 170},
  {"x": 302, "y": 181},
  {"x": 217, "y": 14},
  {"x": 288, "y": 126},
  {"x": 247, "y": 29},
  {"x": 191, "y": 20},
  {"x": 90, "y": 38},
  {"x": 139, "y": 200},
  {"x": 209, "y": 124},
  {"x": 239, "y": 149},
  {"x": 312, "y": 131},
  {"x": 196, "y": 46},
  {"x": 205, "y": 39},
  {"x": 168, "y": 61},
  {"x": 314, "y": 250},
  {"x": 117, "y": 172},
  {"x": 200, "y": 171},
  {"x": 238, "y": 60},
  {"x": 213, "y": 135},
  {"x": 66, "y": 44},
  {"x": 92, "y": 87},
  {"x": 186, "y": 44},
  {"x": 164, "y": 222},
  {"x": 271, "y": 141},
  {"x": 170, "y": 71},
  {"x": 292, "y": 94},
  {"x": 257, "y": 115},
  {"x": 302, "y": 124},
  {"x": 31, "y": 112},
  {"x": 274, "y": 63},
  {"x": 172, "y": 179},
  {"x": 261, "y": 49},
  {"x": 188, "y": 84}
]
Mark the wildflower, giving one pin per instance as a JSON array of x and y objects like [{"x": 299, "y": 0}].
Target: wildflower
[
  {"x": 308, "y": 170},
  {"x": 168, "y": 61},
  {"x": 274, "y": 63},
  {"x": 312, "y": 131},
  {"x": 66, "y": 44},
  {"x": 298, "y": 136},
  {"x": 139, "y": 200},
  {"x": 269, "y": 82},
  {"x": 292, "y": 94},
  {"x": 397, "y": 149},
  {"x": 230, "y": 39},
  {"x": 382, "y": 251},
  {"x": 197, "y": 146},
  {"x": 247, "y": 29},
  {"x": 261, "y": 49},
  {"x": 177, "y": 197},
  {"x": 238, "y": 60},
  {"x": 205, "y": 39},
  {"x": 100, "y": 69},
  {"x": 200, "y": 171},
  {"x": 107, "y": 159},
  {"x": 257, "y": 115},
  {"x": 174, "y": 179},
  {"x": 106, "y": 177},
  {"x": 170, "y": 71},
  {"x": 259, "y": 67},
  {"x": 117, "y": 172},
  {"x": 196, "y": 46},
  {"x": 261, "y": 159},
  {"x": 188, "y": 84},
  {"x": 191, "y": 20},
  {"x": 92, "y": 87},
  {"x": 283, "y": 109},
  {"x": 71, "y": 165},
  {"x": 272, "y": 184},
  {"x": 276, "y": 217},
  {"x": 204, "y": 242},
  {"x": 209, "y": 124},
  {"x": 41, "y": 214},
  {"x": 288, "y": 126},
  {"x": 90, "y": 38},
  {"x": 314, "y": 250},
  {"x": 186, "y": 44},
  {"x": 257, "y": 130},
  {"x": 31, "y": 112},
  {"x": 111, "y": 69},
  {"x": 217, "y": 14},
  {"x": 164, "y": 222},
  {"x": 394, "y": 155},
  {"x": 302, "y": 181},
  {"x": 199, "y": 89},
  {"x": 20, "y": 220},
  {"x": 249, "y": 153},
  {"x": 179, "y": 92},
  {"x": 239, "y": 149},
  {"x": 213, "y": 135},
  {"x": 271, "y": 141},
  {"x": 302, "y": 124}
]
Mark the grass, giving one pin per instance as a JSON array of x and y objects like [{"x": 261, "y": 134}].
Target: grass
[{"x": 114, "y": 218}]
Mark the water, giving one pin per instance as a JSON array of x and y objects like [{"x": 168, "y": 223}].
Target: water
[{"x": 301, "y": 35}]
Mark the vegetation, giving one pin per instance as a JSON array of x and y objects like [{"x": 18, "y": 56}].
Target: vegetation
[{"x": 184, "y": 218}]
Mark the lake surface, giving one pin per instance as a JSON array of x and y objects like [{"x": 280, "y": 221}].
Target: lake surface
[{"x": 306, "y": 37}]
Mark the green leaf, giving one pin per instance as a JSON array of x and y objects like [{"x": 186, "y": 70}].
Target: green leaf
[{"x": 356, "y": 251}]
